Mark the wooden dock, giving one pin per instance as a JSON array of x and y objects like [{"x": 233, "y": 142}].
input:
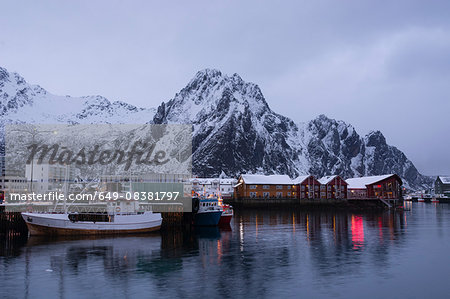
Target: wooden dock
[
  {"x": 12, "y": 223},
  {"x": 338, "y": 203}
]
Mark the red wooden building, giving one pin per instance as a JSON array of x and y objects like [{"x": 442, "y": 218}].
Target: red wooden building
[
  {"x": 307, "y": 186},
  {"x": 381, "y": 186},
  {"x": 333, "y": 187},
  {"x": 264, "y": 186}
]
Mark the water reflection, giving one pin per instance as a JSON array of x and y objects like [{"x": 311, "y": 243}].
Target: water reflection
[{"x": 262, "y": 253}]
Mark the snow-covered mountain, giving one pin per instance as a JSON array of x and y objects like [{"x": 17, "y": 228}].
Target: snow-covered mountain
[
  {"x": 22, "y": 102},
  {"x": 234, "y": 129}
]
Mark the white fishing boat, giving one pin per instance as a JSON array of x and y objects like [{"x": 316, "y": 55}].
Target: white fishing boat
[
  {"x": 92, "y": 223},
  {"x": 116, "y": 217},
  {"x": 120, "y": 216}
]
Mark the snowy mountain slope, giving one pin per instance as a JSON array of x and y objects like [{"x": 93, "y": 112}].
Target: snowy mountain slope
[
  {"x": 234, "y": 129},
  {"x": 22, "y": 102}
]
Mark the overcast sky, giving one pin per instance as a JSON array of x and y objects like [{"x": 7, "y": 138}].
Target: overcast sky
[{"x": 379, "y": 65}]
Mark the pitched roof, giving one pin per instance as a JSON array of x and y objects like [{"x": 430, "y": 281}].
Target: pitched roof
[
  {"x": 445, "y": 179},
  {"x": 209, "y": 181},
  {"x": 360, "y": 183},
  {"x": 228, "y": 181},
  {"x": 267, "y": 179},
  {"x": 300, "y": 179},
  {"x": 326, "y": 179}
]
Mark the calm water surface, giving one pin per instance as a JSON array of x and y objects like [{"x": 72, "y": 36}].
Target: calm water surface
[{"x": 263, "y": 254}]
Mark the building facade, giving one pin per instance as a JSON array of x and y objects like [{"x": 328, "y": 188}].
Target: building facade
[
  {"x": 442, "y": 185},
  {"x": 264, "y": 187},
  {"x": 12, "y": 184},
  {"x": 218, "y": 186},
  {"x": 333, "y": 187},
  {"x": 382, "y": 186},
  {"x": 307, "y": 186},
  {"x": 48, "y": 177}
]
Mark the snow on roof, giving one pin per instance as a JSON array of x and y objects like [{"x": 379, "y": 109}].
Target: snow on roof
[
  {"x": 300, "y": 179},
  {"x": 360, "y": 183},
  {"x": 205, "y": 181},
  {"x": 267, "y": 179},
  {"x": 445, "y": 179},
  {"x": 326, "y": 179},
  {"x": 228, "y": 181},
  {"x": 209, "y": 181}
]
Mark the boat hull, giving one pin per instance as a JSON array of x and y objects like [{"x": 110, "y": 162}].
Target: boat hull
[
  {"x": 54, "y": 224},
  {"x": 225, "y": 219},
  {"x": 36, "y": 230},
  {"x": 210, "y": 218}
]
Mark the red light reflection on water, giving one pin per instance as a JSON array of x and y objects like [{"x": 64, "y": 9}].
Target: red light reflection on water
[
  {"x": 357, "y": 232},
  {"x": 380, "y": 229}
]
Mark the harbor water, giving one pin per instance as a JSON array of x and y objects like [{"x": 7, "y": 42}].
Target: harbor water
[{"x": 278, "y": 254}]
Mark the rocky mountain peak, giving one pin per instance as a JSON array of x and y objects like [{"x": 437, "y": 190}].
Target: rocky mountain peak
[
  {"x": 15, "y": 92},
  {"x": 375, "y": 138},
  {"x": 211, "y": 93},
  {"x": 4, "y": 75}
]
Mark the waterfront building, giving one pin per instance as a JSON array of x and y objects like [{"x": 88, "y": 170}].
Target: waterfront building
[
  {"x": 333, "y": 187},
  {"x": 381, "y": 186},
  {"x": 227, "y": 187},
  {"x": 12, "y": 184},
  {"x": 307, "y": 186},
  {"x": 217, "y": 186},
  {"x": 264, "y": 186},
  {"x": 48, "y": 177},
  {"x": 442, "y": 185}
]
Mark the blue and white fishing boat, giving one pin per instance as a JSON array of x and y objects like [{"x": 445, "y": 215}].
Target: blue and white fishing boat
[{"x": 209, "y": 212}]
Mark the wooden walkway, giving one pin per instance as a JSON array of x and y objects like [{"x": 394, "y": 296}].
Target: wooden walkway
[{"x": 351, "y": 203}]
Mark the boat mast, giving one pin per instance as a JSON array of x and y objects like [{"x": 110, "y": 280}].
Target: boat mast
[{"x": 66, "y": 188}]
